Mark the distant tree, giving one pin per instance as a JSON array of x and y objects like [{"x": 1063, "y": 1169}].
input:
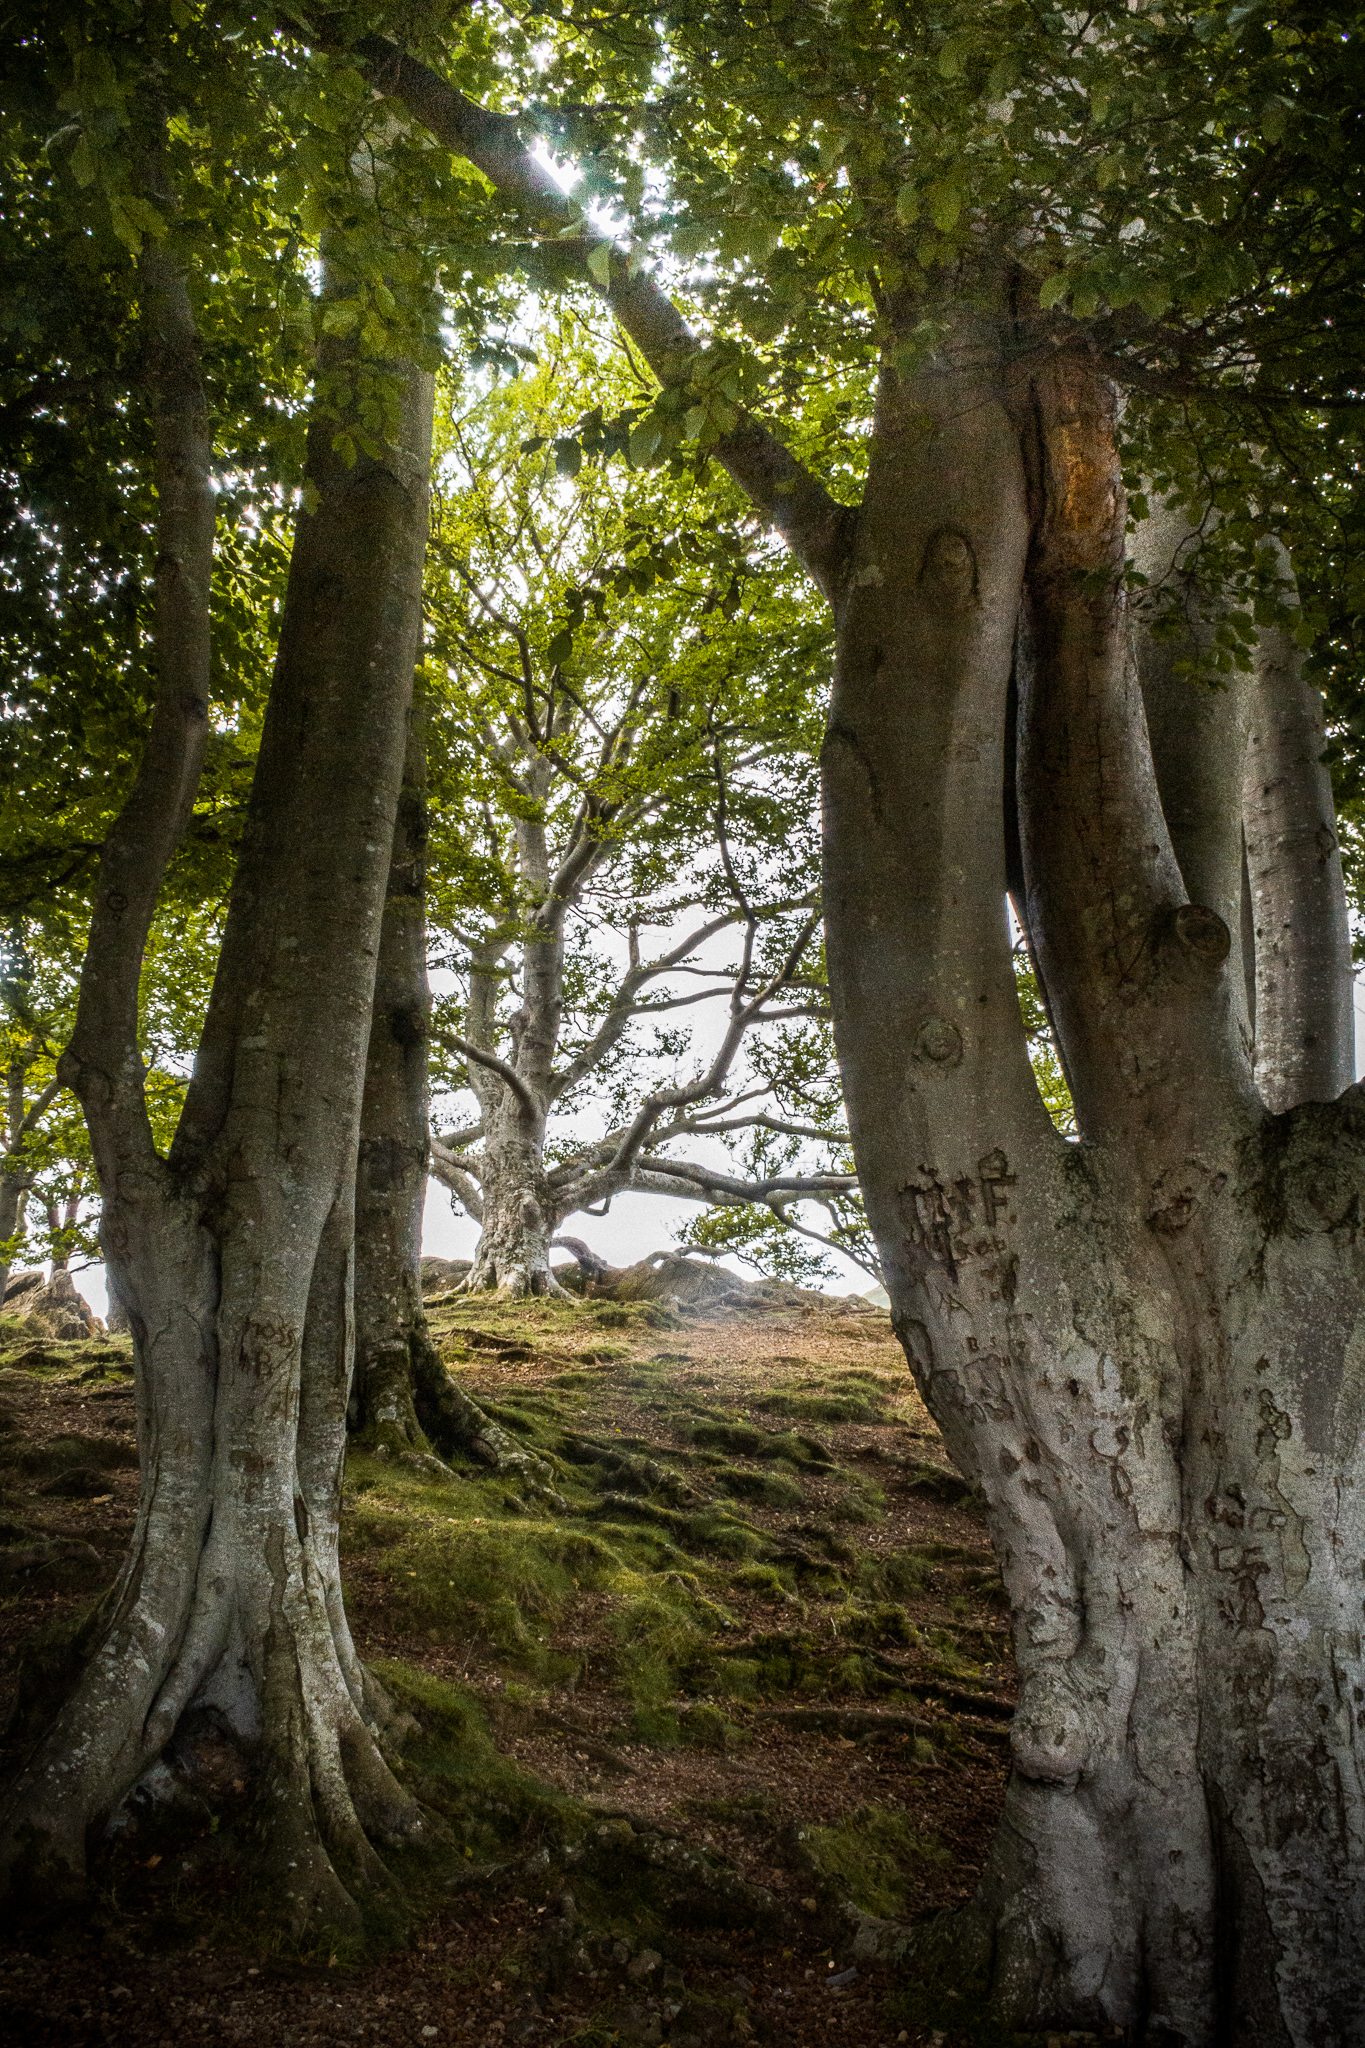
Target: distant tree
[{"x": 625, "y": 703}]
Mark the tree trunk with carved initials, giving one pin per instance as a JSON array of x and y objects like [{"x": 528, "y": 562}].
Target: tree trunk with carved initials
[{"x": 1147, "y": 1348}]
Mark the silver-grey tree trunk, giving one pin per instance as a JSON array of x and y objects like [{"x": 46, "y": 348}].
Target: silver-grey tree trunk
[
  {"x": 233, "y": 1257},
  {"x": 1144, "y": 1347}
]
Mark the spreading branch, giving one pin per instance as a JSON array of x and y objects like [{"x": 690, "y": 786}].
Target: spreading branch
[
  {"x": 812, "y": 523},
  {"x": 454, "y": 1175},
  {"x": 505, "y": 1073},
  {"x": 618, "y": 1169}
]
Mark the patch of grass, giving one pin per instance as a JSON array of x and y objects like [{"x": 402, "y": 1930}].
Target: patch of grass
[
  {"x": 64, "y": 1453},
  {"x": 872, "y": 1857},
  {"x": 743, "y": 1439},
  {"x": 765, "y": 1489}
]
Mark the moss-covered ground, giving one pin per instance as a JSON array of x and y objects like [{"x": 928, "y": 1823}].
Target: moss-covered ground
[{"x": 728, "y": 1660}]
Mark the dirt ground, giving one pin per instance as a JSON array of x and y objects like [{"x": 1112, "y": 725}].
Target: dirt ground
[{"x": 722, "y": 1657}]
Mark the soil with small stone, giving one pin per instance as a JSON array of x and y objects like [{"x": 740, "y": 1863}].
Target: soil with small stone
[{"x": 716, "y": 1666}]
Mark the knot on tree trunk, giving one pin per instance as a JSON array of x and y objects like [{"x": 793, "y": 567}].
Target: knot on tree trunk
[{"x": 1053, "y": 1731}]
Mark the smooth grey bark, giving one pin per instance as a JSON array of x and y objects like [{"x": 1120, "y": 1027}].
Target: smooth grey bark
[
  {"x": 1305, "y": 1013},
  {"x": 1113, "y": 1335},
  {"x": 391, "y": 1337},
  {"x": 402, "y": 1402},
  {"x": 234, "y": 1257},
  {"x": 1198, "y": 736}
]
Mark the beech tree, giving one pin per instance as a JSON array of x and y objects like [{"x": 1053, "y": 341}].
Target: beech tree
[
  {"x": 626, "y": 732},
  {"x": 1141, "y": 1345},
  {"x": 231, "y": 1251}
]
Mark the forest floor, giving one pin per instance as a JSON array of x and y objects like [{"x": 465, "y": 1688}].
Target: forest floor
[{"x": 726, "y": 1660}]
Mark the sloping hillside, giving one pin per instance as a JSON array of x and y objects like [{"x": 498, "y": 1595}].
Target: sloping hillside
[{"x": 710, "y": 1661}]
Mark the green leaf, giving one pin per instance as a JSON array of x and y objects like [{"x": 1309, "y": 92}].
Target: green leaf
[
  {"x": 945, "y": 206},
  {"x": 1274, "y": 120},
  {"x": 568, "y": 456},
  {"x": 1052, "y": 289},
  {"x": 644, "y": 439},
  {"x": 82, "y": 160},
  {"x": 907, "y": 202},
  {"x": 561, "y": 647},
  {"x": 599, "y": 264},
  {"x": 690, "y": 239}
]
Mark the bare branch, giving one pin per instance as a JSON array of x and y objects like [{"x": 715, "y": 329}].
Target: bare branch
[
  {"x": 726, "y": 1187},
  {"x": 36, "y": 1109},
  {"x": 506, "y": 1074},
  {"x": 453, "y": 1176},
  {"x": 707, "y": 1084}
]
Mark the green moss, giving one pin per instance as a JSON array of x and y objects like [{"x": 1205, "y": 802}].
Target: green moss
[
  {"x": 872, "y": 1856},
  {"x": 742, "y": 1439},
  {"x": 63, "y": 1453},
  {"x": 766, "y": 1581},
  {"x": 854, "y": 1406},
  {"x": 885, "y": 1623},
  {"x": 454, "y": 1766},
  {"x": 766, "y": 1489},
  {"x": 900, "y": 1573}
]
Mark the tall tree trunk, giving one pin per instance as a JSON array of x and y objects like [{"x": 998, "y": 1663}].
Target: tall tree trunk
[
  {"x": 13, "y": 1201},
  {"x": 1198, "y": 735},
  {"x": 391, "y": 1338},
  {"x": 235, "y": 1256},
  {"x": 1142, "y": 1347},
  {"x": 1305, "y": 1013},
  {"x": 519, "y": 1216},
  {"x": 402, "y": 1402}
]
